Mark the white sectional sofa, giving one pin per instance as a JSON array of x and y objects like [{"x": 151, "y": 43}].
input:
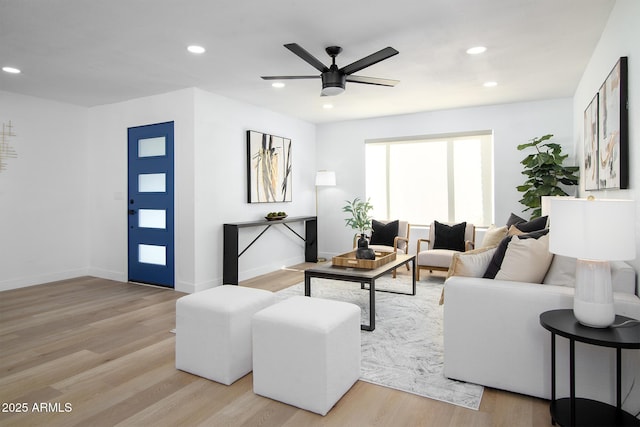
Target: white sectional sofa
[{"x": 493, "y": 337}]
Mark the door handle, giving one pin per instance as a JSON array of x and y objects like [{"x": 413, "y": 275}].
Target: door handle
[{"x": 132, "y": 211}]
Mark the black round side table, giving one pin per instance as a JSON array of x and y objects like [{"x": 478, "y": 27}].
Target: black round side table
[{"x": 574, "y": 411}]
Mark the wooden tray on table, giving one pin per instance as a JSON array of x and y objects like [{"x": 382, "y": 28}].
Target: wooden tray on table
[{"x": 349, "y": 260}]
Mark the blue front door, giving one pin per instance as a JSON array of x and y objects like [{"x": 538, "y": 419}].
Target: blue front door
[{"x": 151, "y": 204}]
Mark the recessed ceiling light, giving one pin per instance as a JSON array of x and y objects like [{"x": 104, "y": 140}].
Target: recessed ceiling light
[
  {"x": 327, "y": 106},
  {"x": 476, "y": 50},
  {"x": 196, "y": 49},
  {"x": 490, "y": 84},
  {"x": 11, "y": 70},
  {"x": 278, "y": 85}
]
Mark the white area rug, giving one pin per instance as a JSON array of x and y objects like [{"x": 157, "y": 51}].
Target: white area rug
[{"x": 405, "y": 351}]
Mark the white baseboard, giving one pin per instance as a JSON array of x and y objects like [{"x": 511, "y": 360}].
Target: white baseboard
[
  {"x": 39, "y": 279},
  {"x": 118, "y": 276}
]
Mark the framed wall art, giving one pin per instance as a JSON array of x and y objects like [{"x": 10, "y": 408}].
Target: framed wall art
[
  {"x": 613, "y": 129},
  {"x": 269, "y": 167},
  {"x": 590, "y": 163}
]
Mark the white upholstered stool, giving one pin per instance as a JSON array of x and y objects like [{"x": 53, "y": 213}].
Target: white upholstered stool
[
  {"x": 306, "y": 352},
  {"x": 213, "y": 331}
]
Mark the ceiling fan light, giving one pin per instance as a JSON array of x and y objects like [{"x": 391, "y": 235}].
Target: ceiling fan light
[
  {"x": 476, "y": 50},
  {"x": 11, "y": 70},
  {"x": 196, "y": 49},
  {"x": 332, "y": 90}
]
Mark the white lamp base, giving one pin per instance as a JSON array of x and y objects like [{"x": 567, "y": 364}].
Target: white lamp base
[{"x": 593, "y": 298}]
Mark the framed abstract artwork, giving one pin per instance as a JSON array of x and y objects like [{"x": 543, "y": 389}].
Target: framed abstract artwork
[
  {"x": 590, "y": 161},
  {"x": 269, "y": 167},
  {"x": 613, "y": 129}
]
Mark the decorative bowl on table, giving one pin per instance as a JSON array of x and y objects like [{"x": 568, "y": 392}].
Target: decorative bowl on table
[{"x": 275, "y": 216}]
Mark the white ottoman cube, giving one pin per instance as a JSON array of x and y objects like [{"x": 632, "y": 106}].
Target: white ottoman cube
[
  {"x": 213, "y": 331},
  {"x": 306, "y": 352}
]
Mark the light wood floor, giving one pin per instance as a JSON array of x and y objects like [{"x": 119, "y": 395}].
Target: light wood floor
[{"x": 100, "y": 353}]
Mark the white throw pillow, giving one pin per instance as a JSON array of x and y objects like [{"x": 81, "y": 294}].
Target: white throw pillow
[
  {"x": 471, "y": 263},
  {"x": 526, "y": 260}
]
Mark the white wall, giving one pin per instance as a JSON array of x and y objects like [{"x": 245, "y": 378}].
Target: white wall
[
  {"x": 210, "y": 171},
  {"x": 64, "y": 199},
  {"x": 620, "y": 38},
  {"x": 108, "y": 126},
  {"x": 221, "y": 187},
  {"x": 341, "y": 148},
  {"x": 43, "y": 193}
]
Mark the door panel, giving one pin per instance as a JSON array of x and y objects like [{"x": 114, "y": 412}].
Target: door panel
[{"x": 151, "y": 204}]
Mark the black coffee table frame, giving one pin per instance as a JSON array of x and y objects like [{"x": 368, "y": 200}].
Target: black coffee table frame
[{"x": 364, "y": 277}]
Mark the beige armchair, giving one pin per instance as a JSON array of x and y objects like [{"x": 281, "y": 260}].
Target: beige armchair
[
  {"x": 384, "y": 241},
  {"x": 439, "y": 258}
]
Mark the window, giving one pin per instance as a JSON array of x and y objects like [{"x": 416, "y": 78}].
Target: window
[{"x": 446, "y": 178}]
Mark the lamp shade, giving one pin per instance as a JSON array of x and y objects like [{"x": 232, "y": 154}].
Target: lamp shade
[
  {"x": 325, "y": 178},
  {"x": 589, "y": 229}
]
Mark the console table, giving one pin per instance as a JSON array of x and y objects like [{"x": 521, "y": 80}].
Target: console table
[
  {"x": 231, "y": 246},
  {"x": 579, "y": 411}
]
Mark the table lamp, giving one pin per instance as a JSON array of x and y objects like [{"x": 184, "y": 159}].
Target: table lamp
[{"x": 595, "y": 232}]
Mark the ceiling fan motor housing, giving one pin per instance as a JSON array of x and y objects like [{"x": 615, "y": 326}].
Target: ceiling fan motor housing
[{"x": 333, "y": 82}]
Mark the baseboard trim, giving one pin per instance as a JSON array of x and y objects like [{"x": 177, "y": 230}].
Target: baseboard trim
[{"x": 39, "y": 279}]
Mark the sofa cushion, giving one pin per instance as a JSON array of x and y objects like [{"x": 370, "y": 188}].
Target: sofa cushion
[
  {"x": 498, "y": 256},
  {"x": 562, "y": 271},
  {"x": 435, "y": 258},
  {"x": 526, "y": 260},
  {"x": 384, "y": 233},
  {"x": 449, "y": 236}
]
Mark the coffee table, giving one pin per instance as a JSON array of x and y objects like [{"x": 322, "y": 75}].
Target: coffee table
[{"x": 364, "y": 277}]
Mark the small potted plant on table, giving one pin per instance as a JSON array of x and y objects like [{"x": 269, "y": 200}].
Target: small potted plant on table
[{"x": 361, "y": 221}]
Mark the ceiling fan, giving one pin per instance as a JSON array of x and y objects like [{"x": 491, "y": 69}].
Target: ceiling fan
[{"x": 334, "y": 78}]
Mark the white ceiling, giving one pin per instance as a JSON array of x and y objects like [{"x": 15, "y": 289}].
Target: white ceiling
[{"x": 93, "y": 52}]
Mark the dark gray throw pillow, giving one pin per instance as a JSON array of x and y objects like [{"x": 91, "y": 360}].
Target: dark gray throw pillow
[
  {"x": 384, "y": 234},
  {"x": 514, "y": 219},
  {"x": 449, "y": 236},
  {"x": 533, "y": 225}
]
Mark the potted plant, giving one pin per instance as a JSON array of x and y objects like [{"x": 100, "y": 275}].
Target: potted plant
[
  {"x": 545, "y": 173},
  {"x": 359, "y": 210},
  {"x": 361, "y": 221}
]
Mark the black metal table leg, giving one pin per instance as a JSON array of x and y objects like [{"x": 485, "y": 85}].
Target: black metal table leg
[
  {"x": 553, "y": 373},
  {"x": 307, "y": 285},
  {"x": 572, "y": 380}
]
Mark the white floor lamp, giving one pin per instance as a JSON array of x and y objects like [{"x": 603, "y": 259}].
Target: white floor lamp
[
  {"x": 595, "y": 232},
  {"x": 324, "y": 178}
]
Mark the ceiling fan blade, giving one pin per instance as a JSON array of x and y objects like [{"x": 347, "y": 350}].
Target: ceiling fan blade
[
  {"x": 372, "y": 81},
  {"x": 288, "y": 77},
  {"x": 367, "y": 61},
  {"x": 315, "y": 62}
]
